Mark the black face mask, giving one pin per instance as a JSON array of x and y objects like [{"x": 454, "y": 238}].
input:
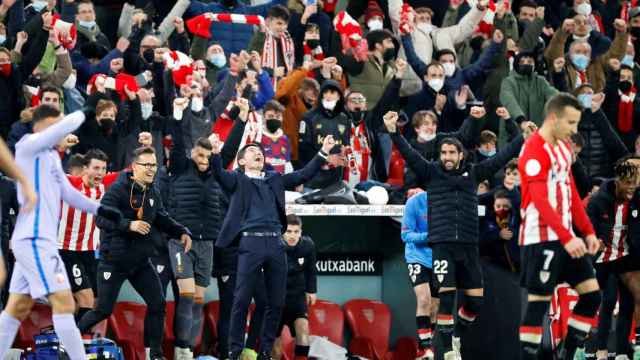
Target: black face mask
[
  {"x": 635, "y": 32},
  {"x": 357, "y": 116},
  {"x": 229, "y": 3},
  {"x": 313, "y": 43},
  {"x": 476, "y": 43},
  {"x": 106, "y": 125},
  {"x": 308, "y": 105},
  {"x": 273, "y": 125},
  {"x": 389, "y": 54},
  {"x": 33, "y": 81},
  {"x": 148, "y": 55},
  {"x": 522, "y": 26},
  {"x": 247, "y": 93},
  {"x": 524, "y": 70},
  {"x": 625, "y": 86}
]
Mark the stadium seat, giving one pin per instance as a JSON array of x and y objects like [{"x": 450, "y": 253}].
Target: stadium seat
[
  {"x": 169, "y": 336},
  {"x": 396, "y": 168},
  {"x": 327, "y": 320},
  {"x": 127, "y": 324},
  {"x": 370, "y": 325},
  {"x": 39, "y": 318},
  {"x": 288, "y": 344},
  {"x": 212, "y": 314}
]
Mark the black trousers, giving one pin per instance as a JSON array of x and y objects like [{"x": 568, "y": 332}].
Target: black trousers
[
  {"x": 226, "y": 287},
  {"x": 146, "y": 282},
  {"x": 255, "y": 254}
]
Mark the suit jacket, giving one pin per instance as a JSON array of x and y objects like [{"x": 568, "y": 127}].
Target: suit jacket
[{"x": 238, "y": 186}]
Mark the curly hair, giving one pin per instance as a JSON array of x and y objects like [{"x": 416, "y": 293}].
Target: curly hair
[{"x": 627, "y": 168}]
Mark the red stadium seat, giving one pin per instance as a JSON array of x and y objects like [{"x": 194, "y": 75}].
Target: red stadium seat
[
  {"x": 288, "y": 344},
  {"x": 39, "y": 318},
  {"x": 211, "y": 316},
  {"x": 396, "y": 168},
  {"x": 127, "y": 324},
  {"x": 370, "y": 324},
  {"x": 327, "y": 320}
]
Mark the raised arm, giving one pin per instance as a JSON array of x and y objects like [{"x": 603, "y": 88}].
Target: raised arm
[
  {"x": 418, "y": 66},
  {"x": 228, "y": 179},
  {"x": 310, "y": 170},
  {"x": 414, "y": 160},
  {"x": 52, "y": 135},
  {"x": 75, "y": 198}
]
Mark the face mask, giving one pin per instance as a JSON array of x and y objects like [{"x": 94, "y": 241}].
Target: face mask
[
  {"x": 107, "y": 124},
  {"x": 580, "y": 61},
  {"x": 229, "y": 3},
  {"x": 426, "y": 137},
  {"x": 148, "y": 55},
  {"x": 625, "y": 86},
  {"x": 5, "y": 70},
  {"x": 425, "y": 27},
  {"x": 581, "y": 38},
  {"x": 375, "y": 24},
  {"x": 627, "y": 60},
  {"x": 449, "y": 68},
  {"x": 329, "y": 104},
  {"x": 218, "y": 60},
  {"x": 70, "y": 83},
  {"x": 525, "y": 69},
  {"x": 436, "y": 84},
  {"x": 313, "y": 43},
  {"x": 3, "y": 38},
  {"x": 585, "y": 100},
  {"x": 273, "y": 125},
  {"x": 502, "y": 213},
  {"x": 87, "y": 24},
  {"x": 196, "y": 104},
  {"x": 389, "y": 54},
  {"x": 357, "y": 116},
  {"x": 487, "y": 153},
  {"x": 38, "y": 5},
  {"x": 584, "y": 9},
  {"x": 146, "y": 109},
  {"x": 247, "y": 93},
  {"x": 522, "y": 25}
]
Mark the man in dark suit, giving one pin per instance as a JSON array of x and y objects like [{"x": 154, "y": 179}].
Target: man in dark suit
[{"x": 256, "y": 219}]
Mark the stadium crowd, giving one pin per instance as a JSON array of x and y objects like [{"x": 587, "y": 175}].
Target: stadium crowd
[{"x": 425, "y": 98}]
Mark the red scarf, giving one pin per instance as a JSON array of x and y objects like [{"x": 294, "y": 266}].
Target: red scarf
[
  {"x": 312, "y": 54},
  {"x": 625, "y": 111},
  {"x": 358, "y": 155}
]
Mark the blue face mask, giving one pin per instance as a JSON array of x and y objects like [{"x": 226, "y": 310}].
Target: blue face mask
[
  {"x": 627, "y": 60},
  {"x": 487, "y": 153},
  {"x": 3, "y": 38},
  {"x": 87, "y": 24},
  {"x": 38, "y": 5},
  {"x": 580, "y": 61},
  {"x": 585, "y": 100},
  {"x": 218, "y": 60}
]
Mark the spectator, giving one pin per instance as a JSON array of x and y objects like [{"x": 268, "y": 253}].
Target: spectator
[
  {"x": 499, "y": 229},
  {"x": 85, "y": 19},
  {"x": 275, "y": 144},
  {"x": 622, "y": 105},
  {"x": 275, "y": 45}
]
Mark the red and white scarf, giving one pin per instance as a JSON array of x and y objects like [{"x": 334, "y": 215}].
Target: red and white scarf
[
  {"x": 625, "y": 110},
  {"x": 349, "y": 27},
  {"x": 310, "y": 54},
  {"x": 581, "y": 77},
  {"x": 270, "y": 52},
  {"x": 357, "y": 156},
  {"x": 486, "y": 24},
  {"x": 256, "y": 20}
]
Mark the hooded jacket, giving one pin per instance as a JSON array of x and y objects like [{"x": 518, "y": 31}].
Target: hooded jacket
[{"x": 315, "y": 126}]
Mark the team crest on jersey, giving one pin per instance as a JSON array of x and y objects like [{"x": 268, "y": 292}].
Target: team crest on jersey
[
  {"x": 341, "y": 128},
  {"x": 160, "y": 268},
  {"x": 301, "y": 260},
  {"x": 106, "y": 275},
  {"x": 225, "y": 278},
  {"x": 532, "y": 167},
  {"x": 151, "y": 202},
  {"x": 440, "y": 277},
  {"x": 544, "y": 276},
  {"x": 634, "y": 213},
  {"x": 78, "y": 281},
  {"x": 465, "y": 174}
]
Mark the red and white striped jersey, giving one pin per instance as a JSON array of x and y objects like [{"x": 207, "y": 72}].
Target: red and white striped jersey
[
  {"x": 618, "y": 247},
  {"x": 77, "y": 230},
  {"x": 551, "y": 165}
]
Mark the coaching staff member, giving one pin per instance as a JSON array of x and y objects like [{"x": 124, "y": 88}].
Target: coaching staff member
[
  {"x": 127, "y": 245},
  {"x": 256, "y": 219}
]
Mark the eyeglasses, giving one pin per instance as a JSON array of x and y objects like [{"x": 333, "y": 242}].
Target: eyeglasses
[
  {"x": 358, "y": 100},
  {"x": 147, "y": 165}
]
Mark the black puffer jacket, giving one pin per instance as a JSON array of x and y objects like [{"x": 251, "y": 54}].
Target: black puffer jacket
[
  {"x": 602, "y": 146},
  {"x": 197, "y": 201},
  {"x": 118, "y": 243},
  {"x": 453, "y": 203}
]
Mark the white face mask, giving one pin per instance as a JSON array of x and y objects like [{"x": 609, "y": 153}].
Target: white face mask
[
  {"x": 329, "y": 104},
  {"x": 70, "y": 83},
  {"x": 425, "y": 27},
  {"x": 584, "y": 9},
  {"x": 146, "y": 109},
  {"x": 426, "y": 137},
  {"x": 449, "y": 68},
  {"x": 196, "y": 104},
  {"x": 375, "y": 24},
  {"x": 3, "y": 38},
  {"x": 436, "y": 84}
]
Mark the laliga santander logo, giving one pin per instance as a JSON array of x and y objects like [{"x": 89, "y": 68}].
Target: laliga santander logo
[{"x": 66, "y": 32}]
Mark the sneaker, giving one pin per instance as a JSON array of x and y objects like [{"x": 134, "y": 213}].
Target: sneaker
[
  {"x": 425, "y": 354},
  {"x": 264, "y": 356},
  {"x": 579, "y": 355},
  {"x": 183, "y": 354},
  {"x": 249, "y": 354},
  {"x": 636, "y": 353},
  {"x": 450, "y": 355},
  {"x": 622, "y": 357},
  {"x": 457, "y": 347}
]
